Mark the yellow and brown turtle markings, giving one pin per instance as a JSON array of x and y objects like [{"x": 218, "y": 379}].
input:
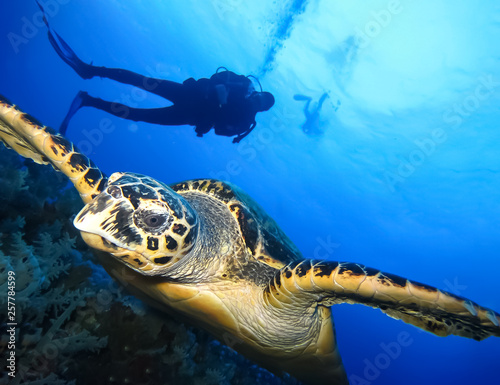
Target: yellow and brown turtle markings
[
  {"x": 423, "y": 292},
  {"x": 349, "y": 276},
  {"x": 268, "y": 260},
  {"x": 179, "y": 229},
  {"x": 9, "y": 123},
  {"x": 258, "y": 243},
  {"x": 29, "y": 130},
  {"x": 272, "y": 297},
  {"x": 488, "y": 314},
  {"x": 248, "y": 227},
  {"x": 302, "y": 277},
  {"x": 136, "y": 194},
  {"x": 219, "y": 189},
  {"x": 40, "y": 143},
  {"x": 346, "y": 279},
  {"x": 442, "y": 300},
  {"x": 260, "y": 247},
  {"x": 421, "y": 305},
  {"x": 278, "y": 289},
  {"x": 286, "y": 275},
  {"x": 133, "y": 259}
]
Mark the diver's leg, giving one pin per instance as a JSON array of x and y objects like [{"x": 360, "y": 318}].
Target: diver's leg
[
  {"x": 168, "y": 116},
  {"x": 73, "y": 109},
  {"x": 321, "y": 100},
  {"x": 164, "y": 88},
  {"x": 160, "y": 87}
]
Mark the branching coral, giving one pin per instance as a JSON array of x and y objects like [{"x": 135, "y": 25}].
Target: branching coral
[{"x": 42, "y": 256}]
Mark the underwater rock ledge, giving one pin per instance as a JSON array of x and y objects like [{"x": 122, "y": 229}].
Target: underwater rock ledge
[{"x": 74, "y": 324}]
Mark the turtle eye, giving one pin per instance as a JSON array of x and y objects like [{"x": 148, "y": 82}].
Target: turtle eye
[
  {"x": 152, "y": 221},
  {"x": 155, "y": 220}
]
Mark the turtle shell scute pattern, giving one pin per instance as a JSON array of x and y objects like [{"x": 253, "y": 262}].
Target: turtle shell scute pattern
[{"x": 262, "y": 235}]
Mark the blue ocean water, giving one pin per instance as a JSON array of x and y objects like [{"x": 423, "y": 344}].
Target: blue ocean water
[{"x": 404, "y": 175}]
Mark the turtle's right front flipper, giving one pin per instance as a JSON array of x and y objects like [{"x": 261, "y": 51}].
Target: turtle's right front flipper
[
  {"x": 30, "y": 139},
  {"x": 327, "y": 283}
]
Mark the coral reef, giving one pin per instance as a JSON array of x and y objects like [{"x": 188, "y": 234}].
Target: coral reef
[{"x": 74, "y": 324}]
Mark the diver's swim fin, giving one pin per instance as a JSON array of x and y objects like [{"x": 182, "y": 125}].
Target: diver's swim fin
[
  {"x": 75, "y": 106},
  {"x": 65, "y": 52}
]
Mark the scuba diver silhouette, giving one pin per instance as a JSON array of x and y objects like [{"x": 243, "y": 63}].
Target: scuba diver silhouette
[
  {"x": 227, "y": 102},
  {"x": 311, "y": 125}
]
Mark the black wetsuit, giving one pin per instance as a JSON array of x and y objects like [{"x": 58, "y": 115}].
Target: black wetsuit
[
  {"x": 199, "y": 103},
  {"x": 195, "y": 102}
]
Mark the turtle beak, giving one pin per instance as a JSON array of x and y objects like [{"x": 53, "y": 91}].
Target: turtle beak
[{"x": 106, "y": 224}]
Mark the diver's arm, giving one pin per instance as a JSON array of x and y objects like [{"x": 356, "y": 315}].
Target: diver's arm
[{"x": 241, "y": 136}]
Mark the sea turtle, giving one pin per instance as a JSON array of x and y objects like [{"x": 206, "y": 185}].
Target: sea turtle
[{"x": 205, "y": 251}]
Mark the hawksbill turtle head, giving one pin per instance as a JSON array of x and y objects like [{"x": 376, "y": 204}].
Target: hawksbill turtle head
[{"x": 141, "y": 222}]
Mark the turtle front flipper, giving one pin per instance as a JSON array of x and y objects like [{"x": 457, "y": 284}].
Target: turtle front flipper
[
  {"x": 328, "y": 283},
  {"x": 30, "y": 139}
]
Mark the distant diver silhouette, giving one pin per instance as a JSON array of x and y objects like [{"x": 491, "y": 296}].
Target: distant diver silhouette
[
  {"x": 311, "y": 125},
  {"x": 227, "y": 102}
]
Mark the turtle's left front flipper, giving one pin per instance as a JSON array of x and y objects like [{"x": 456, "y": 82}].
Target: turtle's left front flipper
[
  {"x": 30, "y": 139},
  {"x": 329, "y": 283}
]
